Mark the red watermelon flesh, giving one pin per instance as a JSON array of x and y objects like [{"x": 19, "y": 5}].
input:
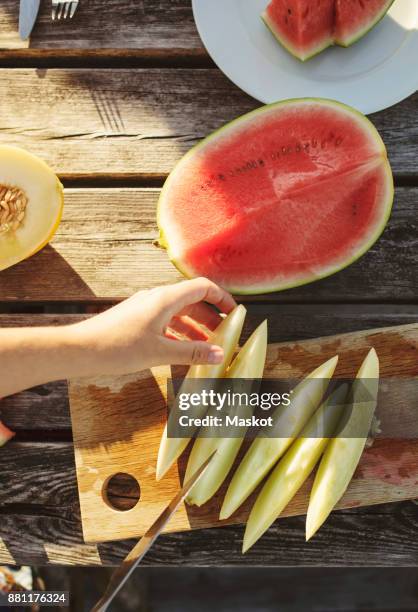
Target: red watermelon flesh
[
  {"x": 354, "y": 18},
  {"x": 285, "y": 195},
  {"x": 306, "y": 27}
]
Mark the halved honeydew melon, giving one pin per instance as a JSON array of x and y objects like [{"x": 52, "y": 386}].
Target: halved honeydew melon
[
  {"x": 266, "y": 451},
  {"x": 343, "y": 453},
  {"x": 227, "y": 336},
  {"x": 31, "y": 204},
  {"x": 295, "y": 467},
  {"x": 249, "y": 363}
]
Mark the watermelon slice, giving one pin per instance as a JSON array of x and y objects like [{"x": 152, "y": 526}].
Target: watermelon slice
[
  {"x": 5, "y": 434},
  {"x": 307, "y": 27},
  {"x": 355, "y": 18},
  {"x": 303, "y": 27},
  {"x": 282, "y": 196}
]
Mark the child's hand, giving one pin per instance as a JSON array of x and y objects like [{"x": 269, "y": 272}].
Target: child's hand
[{"x": 157, "y": 327}]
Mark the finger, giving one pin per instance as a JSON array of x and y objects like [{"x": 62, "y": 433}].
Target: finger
[
  {"x": 188, "y": 327},
  {"x": 169, "y": 333},
  {"x": 177, "y": 297},
  {"x": 204, "y": 314},
  {"x": 187, "y": 353}
]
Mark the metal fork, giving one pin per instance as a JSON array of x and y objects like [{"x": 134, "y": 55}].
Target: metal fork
[{"x": 64, "y": 10}]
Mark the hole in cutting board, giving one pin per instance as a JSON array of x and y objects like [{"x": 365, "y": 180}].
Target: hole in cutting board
[{"x": 121, "y": 491}]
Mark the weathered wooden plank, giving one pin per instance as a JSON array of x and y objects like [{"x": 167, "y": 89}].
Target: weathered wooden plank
[
  {"x": 119, "y": 122},
  {"x": 163, "y": 25},
  {"x": 9, "y": 24},
  {"x": 39, "y": 474},
  {"x": 41, "y": 409},
  {"x": 40, "y": 477},
  {"x": 104, "y": 250},
  {"x": 286, "y": 321},
  {"x": 46, "y": 408},
  {"x": 244, "y": 589},
  {"x": 139, "y": 122},
  {"x": 348, "y": 539},
  {"x": 40, "y": 523},
  {"x": 261, "y": 590}
]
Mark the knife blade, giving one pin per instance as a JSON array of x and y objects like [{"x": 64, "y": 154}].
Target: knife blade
[
  {"x": 121, "y": 575},
  {"x": 27, "y": 17}
]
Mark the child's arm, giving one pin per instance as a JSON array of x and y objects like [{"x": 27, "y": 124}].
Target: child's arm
[{"x": 134, "y": 335}]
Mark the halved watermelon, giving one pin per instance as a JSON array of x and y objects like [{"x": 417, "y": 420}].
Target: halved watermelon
[
  {"x": 282, "y": 196},
  {"x": 5, "y": 434},
  {"x": 307, "y": 27}
]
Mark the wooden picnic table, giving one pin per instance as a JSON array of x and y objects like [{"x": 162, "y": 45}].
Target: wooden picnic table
[{"x": 111, "y": 100}]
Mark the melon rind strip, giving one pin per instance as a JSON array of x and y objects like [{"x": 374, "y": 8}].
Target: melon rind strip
[
  {"x": 226, "y": 335},
  {"x": 344, "y": 452},
  {"x": 264, "y": 452},
  {"x": 249, "y": 363},
  {"x": 295, "y": 467}
]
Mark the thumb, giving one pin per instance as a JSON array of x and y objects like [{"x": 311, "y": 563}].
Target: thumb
[{"x": 179, "y": 352}]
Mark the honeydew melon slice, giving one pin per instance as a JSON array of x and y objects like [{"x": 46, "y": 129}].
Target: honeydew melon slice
[
  {"x": 249, "y": 363},
  {"x": 343, "y": 453},
  {"x": 226, "y": 335},
  {"x": 264, "y": 452},
  {"x": 294, "y": 468},
  {"x": 31, "y": 205}
]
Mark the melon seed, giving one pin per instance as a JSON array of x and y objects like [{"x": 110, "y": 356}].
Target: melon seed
[{"x": 13, "y": 203}]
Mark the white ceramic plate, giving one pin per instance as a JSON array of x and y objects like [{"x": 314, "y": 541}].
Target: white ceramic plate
[{"x": 374, "y": 73}]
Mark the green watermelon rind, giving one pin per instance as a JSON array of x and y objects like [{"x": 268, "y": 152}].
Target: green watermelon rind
[
  {"x": 292, "y": 51},
  {"x": 259, "y": 289},
  {"x": 359, "y": 35}
]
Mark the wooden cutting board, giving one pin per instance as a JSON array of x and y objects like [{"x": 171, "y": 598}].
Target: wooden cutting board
[{"x": 117, "y": 425}]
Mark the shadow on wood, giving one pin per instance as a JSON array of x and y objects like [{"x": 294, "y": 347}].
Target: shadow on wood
[{"x": 21, "y": 280}]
